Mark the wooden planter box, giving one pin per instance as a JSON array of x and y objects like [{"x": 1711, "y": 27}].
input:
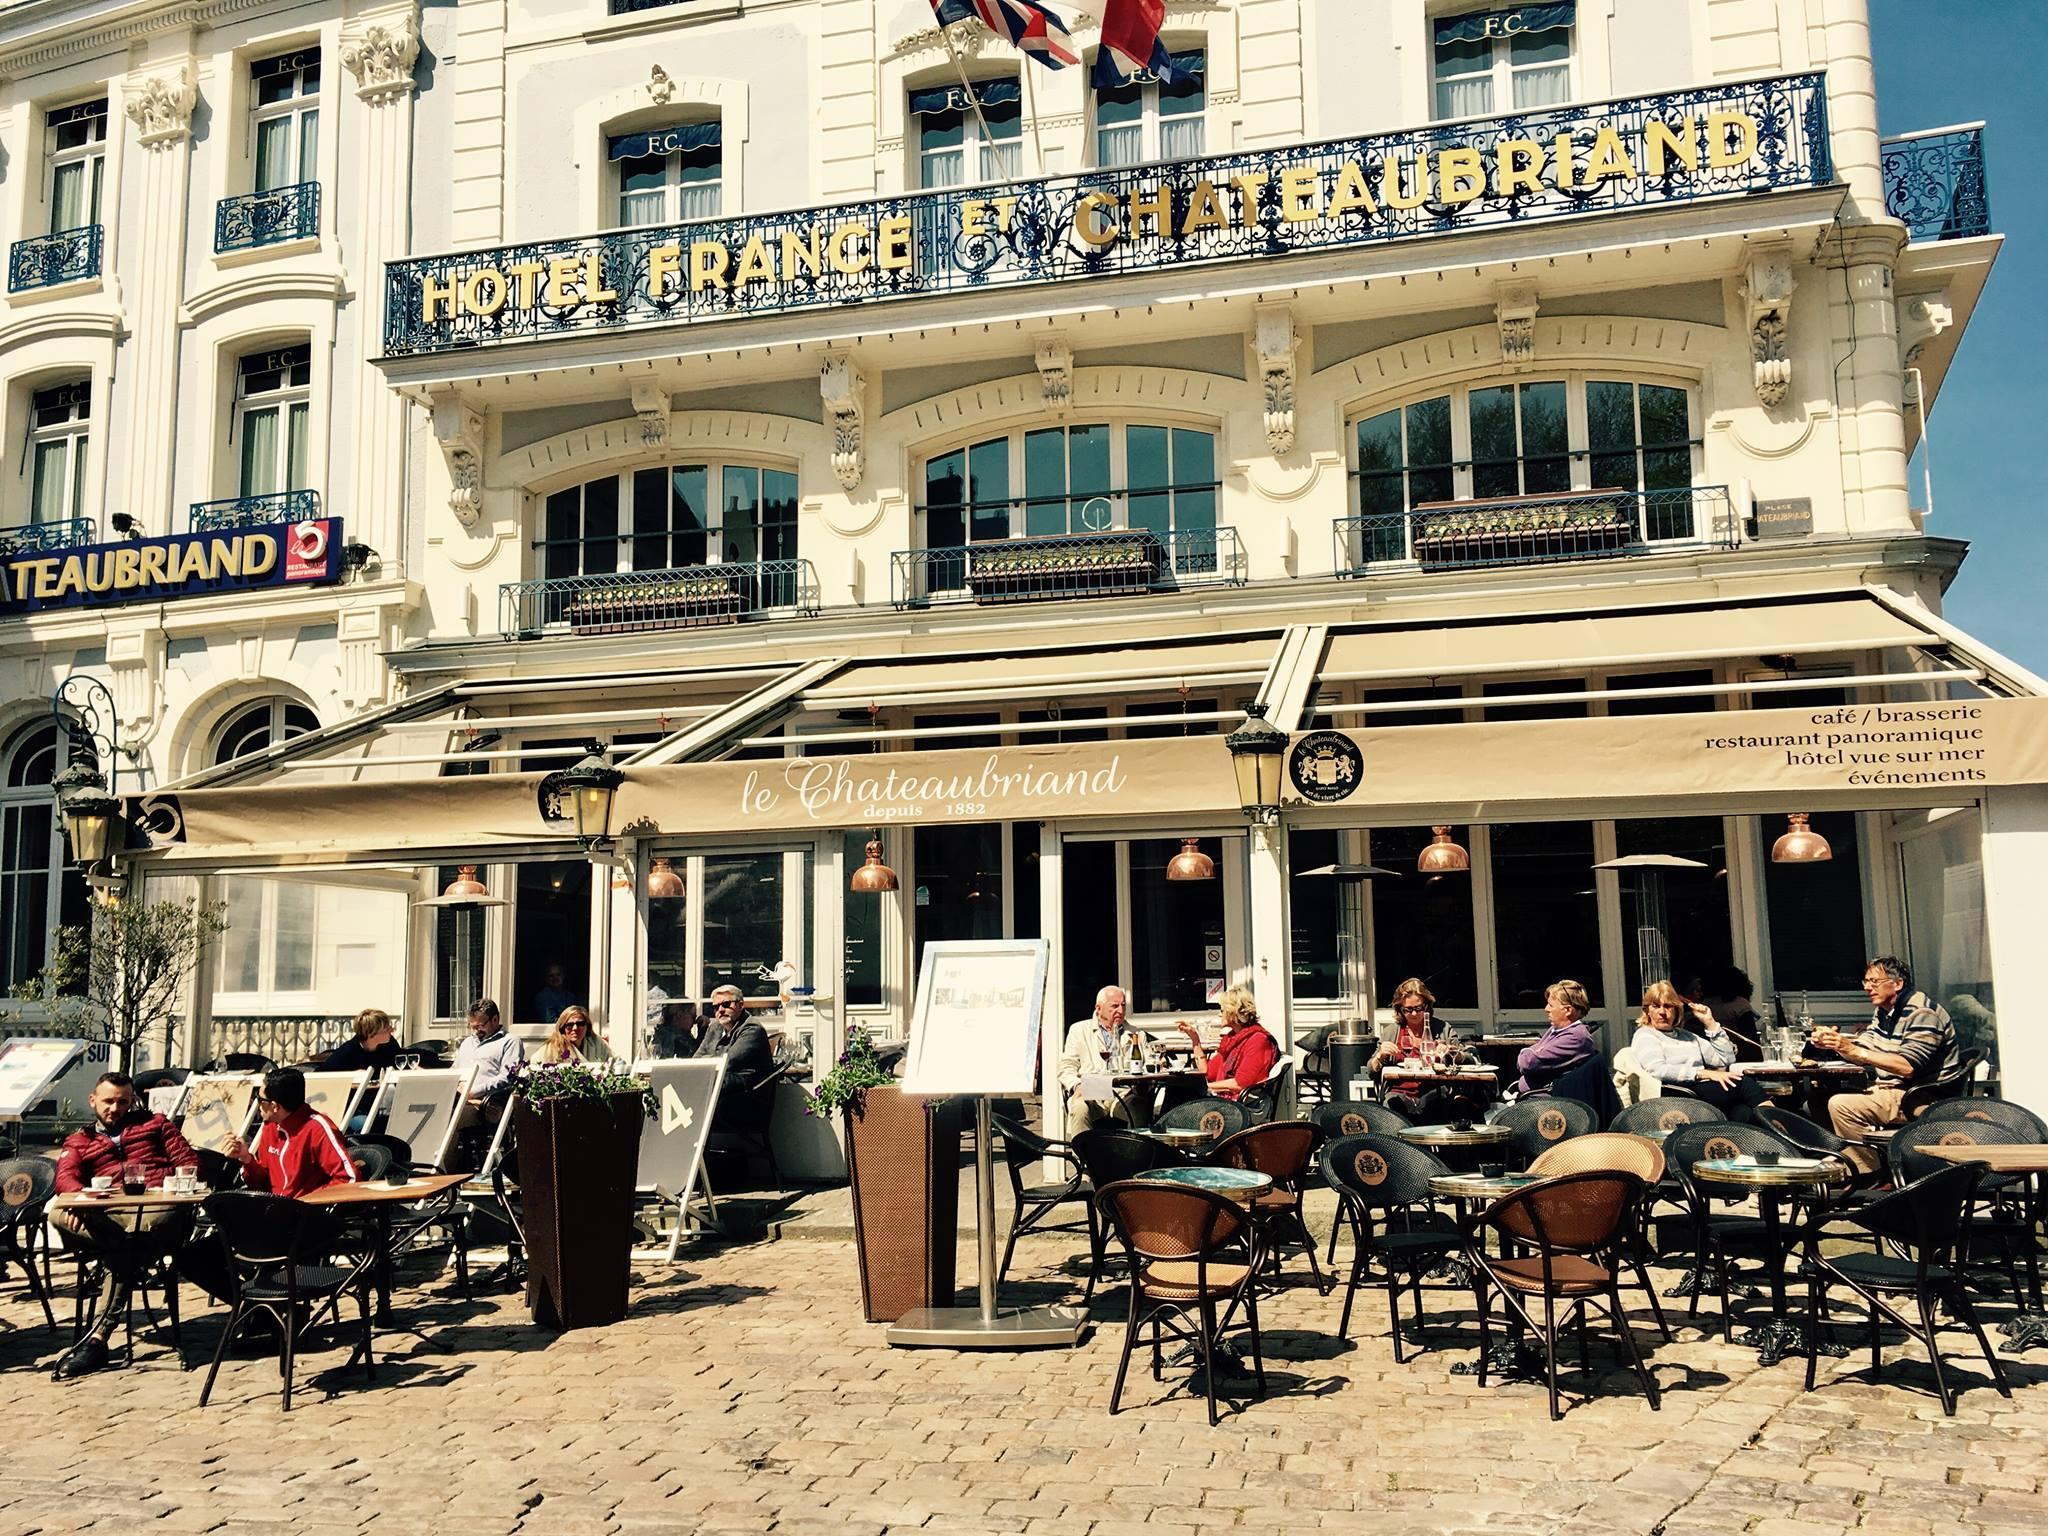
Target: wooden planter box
[
  {"x": 904, "y": 1156},
  {"x": 1092, "y": 567},
  {"x": 578, "y": 1162},
  {"x": 1505, "y": 532},
  {"x": 687, "y": 604}
]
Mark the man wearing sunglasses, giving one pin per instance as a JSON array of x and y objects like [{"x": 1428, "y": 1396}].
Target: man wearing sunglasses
[{"x": 743, "y": 1044}]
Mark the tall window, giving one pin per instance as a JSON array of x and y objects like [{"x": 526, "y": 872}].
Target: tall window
[
  {"x": 1493, "y": 60},
  {"x": 1079, "y": 479},
  {"x": 1421, "y": 924},
  {"x": 262, "y": 725},
  {"x": 273, "y": 419},
  {"x": 76, "y": 142},
  {"x": 1641, "y": 440},
  {"x": 1546, "y": 924},
  {"x": 1153, "y": 119},
  {"x": 670, "y": 175},
  {"x": 673, "y": 515},
  {"x": 957, "y": 144},
  {"x": 39, "y": 890},
  {"x": 60, "y": 422},
  {"x": 1816, "y": 912},
  {"x": 285, "y": 96}
]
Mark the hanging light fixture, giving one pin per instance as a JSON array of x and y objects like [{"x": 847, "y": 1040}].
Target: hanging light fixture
[
  {"x": 465, "y": 884},
  {"x": 662, "y": 879},
  {"x": 1800, "y": 844},
  {"x": 1190, "y": 863},
  {"x": 1443, "y": 856},
  {"x": 588, "y": 786},
  {"x": 1256, "y": 749},
  {"x": 873, "y": 877},
  {"x": 92, "y": 817}
]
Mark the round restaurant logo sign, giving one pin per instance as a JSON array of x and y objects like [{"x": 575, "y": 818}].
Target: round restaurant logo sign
[
  {"x": 1370, "y": 1167},
  {"x": 17, "y": 1189},
  {"x": 1670, "y": 1120},
  {"x": 1325, "y": 767},
  {"x": 1721, "y": 1147},
  {"x": 1957, "y": 1139},
  {"x": 1212, "y": 1122},
  {"x": 1352, "y": 1124},
  {"x": 1551, "y": 1124}
]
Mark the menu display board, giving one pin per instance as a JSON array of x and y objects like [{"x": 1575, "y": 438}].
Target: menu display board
[{"x": 975, "y": 1028}]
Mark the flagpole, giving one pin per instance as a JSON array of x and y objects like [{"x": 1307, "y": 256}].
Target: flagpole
[
  {"x": 1031, "y": 95},
  {"x": 970, "y": 175}
]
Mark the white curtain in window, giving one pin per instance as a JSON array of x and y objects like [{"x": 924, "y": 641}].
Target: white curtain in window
[
  {"x": 67, "y": 196},
  {"x": 1470, "y": 97},
  {"x": 1547, "y": 86},
  {"x": 701, "y": 200},
  {"x": 1180, "y": 138},
  {"x": 259, "y": 452},
  {"x": 48, "y": 498},
  {"x": 273, "y": 153},
  {"x": 309, "y": 146},
  {"x": 1122, "y": 145},
  {"x": 944, "y": 167},
  {"x": 1000, "y": 162},
  {"x": 298, "y": 450}
]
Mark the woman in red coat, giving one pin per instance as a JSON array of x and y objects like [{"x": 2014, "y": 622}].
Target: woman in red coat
[{"x": 1247, "y": 1053}]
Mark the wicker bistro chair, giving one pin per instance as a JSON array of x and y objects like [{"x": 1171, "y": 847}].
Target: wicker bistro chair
[
  {"x": 2000, "y": 1113},
  {"x": 1352, "y": 1117},
  {"x": 1720, "y": 1241},
  {"x": 1111, "y": 1154},
  {"x": 1664, "y": 1114},
  {"x": 1573, "y": 1224},
  {"x": 2005, "y": 1224},
  {"x": 1219, "y": 1117},
  {"x": 1284, "y": 1150},
  {"x": 1189, "y": 1251},
  {"x": 1034, "y": 1203},
  {"x": 1925, "y": 1221},
  {"x": 1386, "y": 1181},
  {"x": 1615, "y": 1151},
  {"x": 26, "y": 1185},
  {"x": 1540, "y": 1124}
]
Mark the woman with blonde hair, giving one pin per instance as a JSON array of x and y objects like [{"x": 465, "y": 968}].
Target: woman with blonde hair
[
  {"x": 1567, "y": 1043},
  {"x": 573, "y": 1039},
  {"x": 1247, "y": 1053},
  {"x": 1697, "y": 1060},
  {"x": 374, "y": 1044}
]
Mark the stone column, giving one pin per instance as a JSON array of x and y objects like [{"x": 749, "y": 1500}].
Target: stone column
[
  {"x": 160, "y": 99},
  {"x": 378, "y": 49},
  {"x": 1269, "y": 967}
]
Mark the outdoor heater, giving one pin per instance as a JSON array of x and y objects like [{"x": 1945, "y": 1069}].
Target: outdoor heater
[
  {"x": 1653, "y": 922},
  {"x": 1347, "y": 1051}
]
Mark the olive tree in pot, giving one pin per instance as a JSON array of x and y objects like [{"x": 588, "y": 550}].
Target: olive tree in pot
[{"x": 578, "y": 1128}]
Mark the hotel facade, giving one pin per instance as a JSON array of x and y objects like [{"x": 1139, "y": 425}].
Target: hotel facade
[{"x": 861, "y": 435}]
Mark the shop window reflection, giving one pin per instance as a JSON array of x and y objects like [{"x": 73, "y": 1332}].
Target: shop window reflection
[
  {"x": 1315, "y": 907},
  {"x": 1421, "y": 924},
  {"x": 551, "y": 953},
  {"x": 743, "y": 921},
  {"x": 1546, "y": 922},
  {"x": 1088, "y": 921},
  {"x": 1817, "y": 922},
  {"x": 1176, "y": 929},
  {"x": 1697, "y": 935}
]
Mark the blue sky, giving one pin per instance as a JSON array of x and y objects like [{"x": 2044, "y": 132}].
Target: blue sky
[{"x": 1989, "y": 487}]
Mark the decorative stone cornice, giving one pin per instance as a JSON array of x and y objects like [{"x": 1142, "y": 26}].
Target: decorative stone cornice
[
  {"x": 160, "y": 107},
  {"x": 651, "y": 405},
  {"x": 841, "y": 387},
  {"x": 1514, "y": 312},
  {"x": 1275, "y": 340},
  {"x": 459, "y": 430},
  {"x": 72, "y": 41},
  {"x": 380, "y": 52},
  {"x": 969, "y": 38},
  {"x": 1767, "y": 286},
  {"x": 1055, "y": 359}
]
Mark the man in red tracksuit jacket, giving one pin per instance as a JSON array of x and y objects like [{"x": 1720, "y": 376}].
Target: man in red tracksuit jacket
[{"x": 298, "y": 1149}]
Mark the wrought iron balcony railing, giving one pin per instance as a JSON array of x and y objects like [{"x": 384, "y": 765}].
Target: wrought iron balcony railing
[
  {"x": 282, "y": 1040},
  {"x": 1116, "y": 561},
  {"x": 266, "y": 218},
  {"x": 1934, "y": 182},
  {"x": 44, "y": 261},
  {"x": 253, "y": 511},
  {"x": 1731, "y": 140},
  {"x": 635, "y": 602},
  {"x": 40, "y": 538},
  {"x": 1536, "y": 530}
]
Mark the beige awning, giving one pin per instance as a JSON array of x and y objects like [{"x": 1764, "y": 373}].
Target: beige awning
[
  {"x": 1054, "y": 671},
  {"x": 1801, "y": 627}
]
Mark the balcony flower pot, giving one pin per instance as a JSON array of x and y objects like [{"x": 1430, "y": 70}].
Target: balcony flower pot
[
  {"x": 578, "y": 1131},
  {"x": 903, "y": 1154},
  {"x": 1089, "y": 565},
  {"x": 675, "y": 603},
  {"x": 1522, "y": 531}
]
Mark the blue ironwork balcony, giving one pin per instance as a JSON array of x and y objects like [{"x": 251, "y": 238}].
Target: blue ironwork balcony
[
  {"x": 44, "y": 261},
  {"x": 1111, "y": 563},
  {"x": 266, "y": 218},
  {"x": 40, "y": 538},
  {"x": 1536, "y": 530},
  {"x": 1741, "y": 139},
  {"x": 1934, "y": 182},
  {"x": 253, "y": 511},
  {"x": 637, "y": 602}
]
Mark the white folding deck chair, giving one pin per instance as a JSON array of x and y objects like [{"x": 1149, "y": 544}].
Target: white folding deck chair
[
  {"x": 422, "y": 1109},
  {"x": 337, "y": 1094},
  {"x": 217, "y": 1108},
  {"x": 672, "y": 1167}
]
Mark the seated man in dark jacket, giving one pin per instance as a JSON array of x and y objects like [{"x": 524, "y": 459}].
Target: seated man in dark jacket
[
  {"x": 744, "y": 1045},
  {"x": 124, "y": 1140}
]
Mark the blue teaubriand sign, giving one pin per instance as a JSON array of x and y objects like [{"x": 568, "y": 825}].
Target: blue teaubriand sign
[
  {"x": 1734, "y": 140},
  {"x": 180, "y": 565}
]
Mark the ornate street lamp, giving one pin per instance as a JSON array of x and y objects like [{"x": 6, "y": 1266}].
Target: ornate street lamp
[
  {"x": 589, "y": 786},
  {"x": 92, "y": 817},
  {"x": 1256, "y": 750}
]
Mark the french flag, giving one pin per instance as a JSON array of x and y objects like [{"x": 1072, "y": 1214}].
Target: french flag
[
  {"x": 1130, "y": 41},
  {"x": 1027, "y": 24}
]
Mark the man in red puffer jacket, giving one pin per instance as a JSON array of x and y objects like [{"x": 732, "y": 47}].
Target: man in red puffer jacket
[{"x": 123, "y": 1137}]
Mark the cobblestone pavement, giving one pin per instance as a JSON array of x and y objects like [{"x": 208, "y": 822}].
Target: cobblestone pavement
[{"x": 744, "y": 1394}]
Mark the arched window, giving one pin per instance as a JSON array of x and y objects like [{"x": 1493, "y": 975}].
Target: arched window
[
  {"x": 1085, "y": 478},
  {"x": 39, "y": 892},
  {"x": 1625, "y": 448},
  {"x": 667, "y": 517},
  {"x": 262, "y": 724}
]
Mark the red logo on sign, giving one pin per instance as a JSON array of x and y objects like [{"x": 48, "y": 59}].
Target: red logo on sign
[{"x": 305, "y": 550}]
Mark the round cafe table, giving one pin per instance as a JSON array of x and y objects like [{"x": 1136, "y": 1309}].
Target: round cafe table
[
  {"x": 2024, "y": 1329},
  {"x": 1481, "y": 1133},
  {"x": 1239, "y": 1184},
  {"x": 1189, "y": 1141},
  {"x": 1511, "y": 1358},
  {"x": 1771, "y": 1181}
]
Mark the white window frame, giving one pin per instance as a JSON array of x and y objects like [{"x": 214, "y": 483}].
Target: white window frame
[
  {"x": 1233, "y": 867},
  {"x": 676, "y": 200},
  {"x": 285, "y": 401},
  {"x": 92, "y": 155},
  {"x": 1501, "y": 75},
  {"x": 301, "y": 108},
  {"x": 268, "y": 991},
  {"x": 997, "y": 158},
  {"x": 75, "y": 432},
  {"x": 1152, "y": 126},
  {"x": 283, "y": 719},
  {"x": 797, "y": 946},
  {"x": 714, "y": 520},
  {"x": 24, "y": 799}
]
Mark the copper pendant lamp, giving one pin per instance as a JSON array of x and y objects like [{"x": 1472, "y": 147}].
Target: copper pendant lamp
[
  {"x": 466, "y": 883},
  {"x": 874, "y": 876},
  {"x": 1190, "y": 863},
  {"x": 1443, "y": 856},
  {"x": 1799, "y": 843},
  {"x": 662, "y": 879}
]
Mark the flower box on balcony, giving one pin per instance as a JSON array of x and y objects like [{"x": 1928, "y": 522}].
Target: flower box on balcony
[
  {"x": 1510, "y": 530},
  {"x": 1090, "y": 565},
  {"x": 676, "y": 603}
]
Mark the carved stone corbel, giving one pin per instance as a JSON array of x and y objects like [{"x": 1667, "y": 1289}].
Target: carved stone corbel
[
  {"x": 1767, "y": 287},
  {"x": 1922, "y": 317},
  {"x": 161, "y": 106},
  {"x": 661, "y": 90},
  {"x": 460, "y": 431},
  {"x": 1514, "y": 311},
  {"x": 1055, "y": 358},
  {"x": 651, "y": 405},
  {"x": 1274, "y": 339},
  {"x": 841, "y": 386},
  {"x": 380, "y": 52}
]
